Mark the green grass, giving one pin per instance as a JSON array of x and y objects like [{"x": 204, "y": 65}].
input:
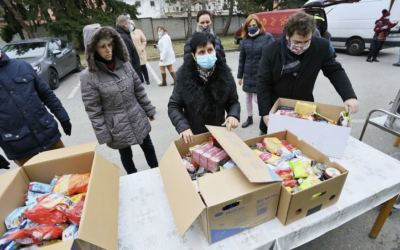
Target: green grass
[{"x": 177, "y": 45}]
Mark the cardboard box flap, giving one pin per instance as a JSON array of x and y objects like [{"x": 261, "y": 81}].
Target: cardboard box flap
[
  {"x": 61, "y": 153},
  {"x": 249, "y": 163},
  {"x": 7, "y": 178},
  {"x": 63, "y": 245},
  {"x": 102, "y": 201},
  {"x": 184, "y": 200}
]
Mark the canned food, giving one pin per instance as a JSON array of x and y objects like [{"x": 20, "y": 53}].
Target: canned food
[{"x": 330, "y": 173}]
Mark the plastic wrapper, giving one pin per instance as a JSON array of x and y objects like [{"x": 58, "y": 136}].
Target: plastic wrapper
[
  {"x": 38, "y": 187},
  {"x": 189, "y": 166},
  {"x": 301, "y": 169},
  {"x": 261, "y": 147},
  {"x": 75, "y": 208},
  {"x": 72, "y": 184},
  {"x": 199, "y": 151},
  {"x": 297, "y": 153},
  {"x": 40, "y": 244},
  {"x": 285, "y": 108},
  {"x": 229, "y": 164},
  {"x": 288, "y": 145},
  {"x": 37, "y": 234},
  {"x": 30, "y": 198},
  {"x": 289, "y": 113},
  {"x": 311, "y": 180},
  {"x": 71, "y": 232},
  {"x": 267, "y": 157},
  {"x": 323, "y": 118},
  {"x": 208, "y": 155},
  {"x": 273, "y": 145},
  {"x": 54, "y": 180},
  {"x": 214, "y": 142},
  {"x": 344, "y": 119},
  {"x": 15, "y": 219},
  {"x": 306, "y": 117},
  {"x": 217, "y": 160},
  {"x": 8, "y": 243},
  {"x": 303, "y": 108}
]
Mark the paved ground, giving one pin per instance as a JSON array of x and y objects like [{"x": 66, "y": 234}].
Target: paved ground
[{"x": 375, "y": 85}]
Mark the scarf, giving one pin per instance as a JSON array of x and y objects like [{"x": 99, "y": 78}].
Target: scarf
[
  {"x": 209, "y": 30},
  {"x": 205, "y": 75},
  {"x": 109, "y": 63}
]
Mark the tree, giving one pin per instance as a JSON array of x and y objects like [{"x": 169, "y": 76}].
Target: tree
[
  {"x": 228, "y": 22},
  {"x": 248, "y": 7},
  {"x": 290, "y": 4},
  {"x": 14, "y": 14},
  {"x": 68, "y": 17}
]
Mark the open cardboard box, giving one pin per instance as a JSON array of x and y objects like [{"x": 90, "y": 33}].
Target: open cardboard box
[
  {"x": 295, "y": 206},
  {"x": 234, "y": 199},
  {"x": 328, "y": 138},
  {"x": 99, "y": 223}
]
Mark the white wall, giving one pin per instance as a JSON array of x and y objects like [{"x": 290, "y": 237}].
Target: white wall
[{"x": 146, "y": 10}]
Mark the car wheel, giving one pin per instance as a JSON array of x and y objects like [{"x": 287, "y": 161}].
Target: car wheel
[
  {"x": 355, "y": 47},
  {"x": 78, "y": 67},
  {"x": 54, "y": 81}
]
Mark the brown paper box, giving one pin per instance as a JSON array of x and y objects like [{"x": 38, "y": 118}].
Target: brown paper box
[{"x": 99, "y": 223}]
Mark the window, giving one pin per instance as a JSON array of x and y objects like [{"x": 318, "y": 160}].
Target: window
[
  {"x": 53, "y": 46},
  {"x": 63, "y": 44},
  {"x": 138, "y": 4},
  {"x": 209, "y": 7},
  {"x": 152, "y": 4},
  {"x": 25, "y": 50},
  {"x": 200, "y": 7}
]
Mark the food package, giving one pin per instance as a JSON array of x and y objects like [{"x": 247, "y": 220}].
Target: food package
[
  {"x": 261, "y": 147},
  {"x": 40, "y": 244},
  {"x": 15, "y": 219},
  {"x": 30, "y": 198},
  {"x": 54, "y": 180},
  {"x": 273, "y": 145},
  {"x": 6, "y": 243},
  {"x": 301, "y": 169},
  {"x": 289, "y": 113},
  {"x": 75, "y": 208},
  {"x": 344, "y": 119},
  {"x": 324, "y": 118},
  {"x": 229, "y": 164},
  {"x": 189, "y": 166},
  {"x": 207, "y": 155},
  {"x": 199, "y": 151},
  {"x": 267, "y": 157},
  {"x": 217, "y": 160},
  {"x": 72, "y": 184},
  {"x": 285, "y": 108},
  {"x": 303, "y": 108},
  {"x": 214, "y": 141},
  {"x": 311, "y": 180},
  {"x": 38, "y": 187},
  {"x": 70, "y": 233},
  {"x": 288, "y": 146},
  {"x": 306, "y": 117},
  {"x": 37, "y": 234}
]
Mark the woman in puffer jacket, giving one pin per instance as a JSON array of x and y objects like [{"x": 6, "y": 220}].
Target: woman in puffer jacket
[
  {"x": 115, "y": 100},
  {"x": 254, "y": 39}
]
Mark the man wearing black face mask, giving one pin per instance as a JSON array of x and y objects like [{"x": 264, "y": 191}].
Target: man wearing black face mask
[{"x": 289, "y": 68}]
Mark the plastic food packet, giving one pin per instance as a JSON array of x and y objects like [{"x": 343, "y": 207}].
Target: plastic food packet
[
  {"x": 229, "y": 164},
  {"x": 261, "y": 147},
  {"x": 344, "y": 119},
  {"x": 306, "y": 117},
  {"x": 303, "y": 108},
  {"x": 72, "y": 184},
  {"x": 322, "y": 118},
  {"x": 71, "y": 232},
  {"x": 47, "y": 211},
  {"x": 301, "y": 169},
  {"x": 75, "y": 208},
  {"x": 199, "y": 151},
  {"x": 189, "y": 166},
  {"x": 311, "y": 180},
  {"x": 289, "y": 113},
  {"x": 285, "y": 108},
  {"x": 15, "y": 219},
  {"x": 7, "y": 243},
  {"x": 30, "y": 198},
  {"x": 267, "y": 157},
  {"x": 40, "y": 244},
  {"x": 37, "y": 234},
  {"x": 54, "y": 180},
  {"x": 273, "y": 145},
  {"x": 285, "y": 175},
  {"x": 38, "y": 187},
  {"x": 288, "y": 146}
]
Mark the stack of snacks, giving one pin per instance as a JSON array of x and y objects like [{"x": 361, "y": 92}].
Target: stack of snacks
[
  {"x": 307, "y": 111},
  {"x": 296, "y": 170},
  {"x": 53, "y": 212},
  {"x": 206, "y": 158}
]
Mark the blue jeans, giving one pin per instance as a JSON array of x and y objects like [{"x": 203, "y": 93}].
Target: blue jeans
[
  {"x": 330, "y": 46},
  {"x": 149, "y": 154}
]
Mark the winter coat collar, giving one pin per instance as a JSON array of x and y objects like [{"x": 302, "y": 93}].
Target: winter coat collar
[
  {"x": 119, "y": 49},
  {"x": 204, "y": 99}
]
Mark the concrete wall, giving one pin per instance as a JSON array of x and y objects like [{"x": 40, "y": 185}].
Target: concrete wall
[{"x": 177, "y": 27}]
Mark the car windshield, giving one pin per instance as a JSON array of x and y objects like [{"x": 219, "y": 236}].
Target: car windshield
[{"x": 25, "y": 50}]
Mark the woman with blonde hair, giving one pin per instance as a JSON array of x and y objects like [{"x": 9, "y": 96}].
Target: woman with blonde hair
[
  {"x": 167, "y": 55},
  {"x": 254, "y": 39}
]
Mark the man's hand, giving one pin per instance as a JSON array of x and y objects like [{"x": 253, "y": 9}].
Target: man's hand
[
  {"x": 352, "y": 104},
  {"x": 384, "y": 27},
  {"x": 152, "y": 118},
  {"x": 266, "y": 119},
  {"x": 240, "y": 82},
  {"x": 231, "y": 122},
  {"x": 4, "y": 164},
  {"x": 187, "y": 135},
  {"x": 396, "y": 22},
  {"x": 67, "y": 127}
]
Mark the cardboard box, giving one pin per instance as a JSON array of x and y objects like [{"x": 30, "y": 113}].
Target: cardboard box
[
  {"x": 295, "y": 206},
  {"x": 329, "y": 139},
  {"x": 99, "y": 223},
  {"x": 234, "y": 199}
]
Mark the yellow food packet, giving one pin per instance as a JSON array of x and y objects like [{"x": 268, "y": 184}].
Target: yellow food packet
[{"x": 303, "y": 108}]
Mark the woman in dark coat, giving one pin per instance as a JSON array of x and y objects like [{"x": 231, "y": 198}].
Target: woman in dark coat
[
  {"x": 254, "y": 39},
  {"x": 205, "y": 91}
]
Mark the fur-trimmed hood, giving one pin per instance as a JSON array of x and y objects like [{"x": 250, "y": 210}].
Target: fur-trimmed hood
[
  {"x": 204, "y": 99},
  {"x": 119, "y": 49}
]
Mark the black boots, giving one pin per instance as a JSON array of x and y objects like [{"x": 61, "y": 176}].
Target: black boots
[{"x": 248, "y": 122}]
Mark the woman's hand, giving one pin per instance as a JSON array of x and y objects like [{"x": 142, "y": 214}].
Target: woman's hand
[
  {"x": 152, "y": 118},
  {"x": 240, "y": 82},
  {"x": 187, "y": 135},
  {"x": 231, "y": 122}
]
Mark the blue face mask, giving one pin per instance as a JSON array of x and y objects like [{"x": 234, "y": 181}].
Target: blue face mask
[
  {"x": 252, "y": 30},
  {"x": 160, "y": 34},
  {"x": 206, "y": 61},
  {"x": 131, "y": 28}
]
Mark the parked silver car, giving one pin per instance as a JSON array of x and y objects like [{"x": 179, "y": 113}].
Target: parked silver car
[{"x": 52, "y": 58}]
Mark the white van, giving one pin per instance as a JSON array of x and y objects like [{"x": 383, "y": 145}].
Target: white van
[{"x": 351, "y": 25}]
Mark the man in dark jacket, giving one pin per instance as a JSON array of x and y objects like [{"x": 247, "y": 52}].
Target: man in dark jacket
[
  {"x": 124, "y": 28},
  {"x": 26, "y": 127},
  {"x": 290, "y": 66}
]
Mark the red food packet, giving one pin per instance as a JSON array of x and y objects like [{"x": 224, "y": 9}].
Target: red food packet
[
  {"x": 261, "y": 147},
  {"x": 285, "y": 174},
  {"x": 37, "y": 234},
  {"x": 289, "y": 183},
  {"x": 287, "y": 145},
  {"x": 72, "y": 184}
]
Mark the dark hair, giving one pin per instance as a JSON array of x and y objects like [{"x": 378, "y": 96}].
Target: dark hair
[
  {"x": 163, "y": 28},
  {"x": 201, "y": 39},
  {"x": 202, "y": 12},
  {"x": 301, "y": 23},
  {"x": 384, "y": 11}
]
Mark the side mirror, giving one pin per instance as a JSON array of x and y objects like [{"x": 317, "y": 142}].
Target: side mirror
[{"x": 56, "y": 52}]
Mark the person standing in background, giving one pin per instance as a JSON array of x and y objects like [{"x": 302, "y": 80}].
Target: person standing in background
[
  {"x": 254, "y": 38},
  {"x": 382, "y": 29},
  {"x": 140, "y": 42},
  {"x": 124, "y": 28},
  {"x": 167, "y": 55}
]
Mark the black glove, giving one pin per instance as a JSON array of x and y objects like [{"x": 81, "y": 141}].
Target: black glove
[
  {"x": 4, "y": 163},
  {"x": 67, "y": 126}
]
